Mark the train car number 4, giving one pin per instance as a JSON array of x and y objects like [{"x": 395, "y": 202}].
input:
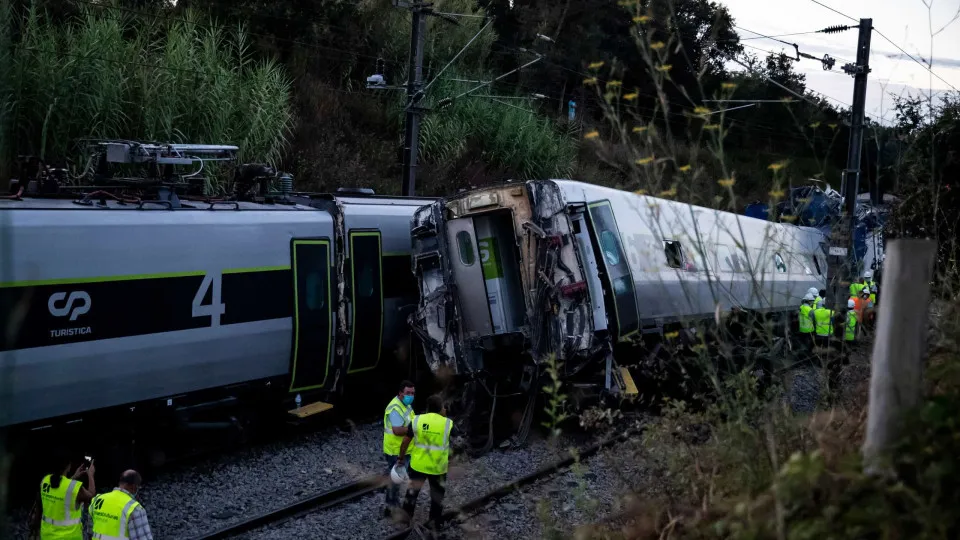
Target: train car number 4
[{"x": 216, "y": 308}]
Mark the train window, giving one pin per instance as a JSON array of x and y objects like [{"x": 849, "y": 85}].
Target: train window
[
  {"x": 465, "y": 246},
  {"x": 816, "y": 263},
  {"x": 608, "y": 243},
  {"x": 316, "y": 291},
  {"x": 674, "y": 253},
  {"x": 778, "y": 262}
]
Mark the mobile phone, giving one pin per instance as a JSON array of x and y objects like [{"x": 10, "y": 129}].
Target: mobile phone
[{"x": 89, "y": 460}]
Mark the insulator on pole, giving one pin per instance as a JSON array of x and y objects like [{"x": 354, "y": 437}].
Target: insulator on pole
[{"x": 836, "y": 29}]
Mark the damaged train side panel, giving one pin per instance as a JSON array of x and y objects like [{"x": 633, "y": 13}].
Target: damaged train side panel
[{"x": 502, "y": 281}]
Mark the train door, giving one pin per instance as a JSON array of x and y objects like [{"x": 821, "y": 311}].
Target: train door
[
  {"x": 366, "y": 300},
  {"x": 615, "y": 269},
  {"x": 468, "y": 272},
  {"x": 313, "y": 318}
]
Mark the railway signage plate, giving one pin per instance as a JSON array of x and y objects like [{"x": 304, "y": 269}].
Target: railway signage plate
[{"x": 838, "y": 251}]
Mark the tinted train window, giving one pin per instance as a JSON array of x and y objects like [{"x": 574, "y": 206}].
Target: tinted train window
[
  {"x": 816, "y": 263},
  {"x": 616, "y": 269},
  {"x": 778, "y": 262},
  {"x": 316, "y": 290},
  {"x": 608, "y": 243},
  {"x": 674, "y": 253},
  {"x": 465, "y": 247},
  {"x": 367, "y": 323}
]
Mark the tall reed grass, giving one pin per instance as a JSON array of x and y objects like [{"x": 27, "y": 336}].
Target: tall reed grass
[{"x": 107, "y": 74}]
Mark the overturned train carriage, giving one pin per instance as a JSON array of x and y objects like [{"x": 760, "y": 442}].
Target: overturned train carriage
[
  {"x": 516, "y": 274},
  {"x": 112, "y": 308}
]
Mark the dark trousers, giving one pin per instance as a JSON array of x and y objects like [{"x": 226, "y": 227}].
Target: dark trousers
[
  {"x": 393, "y": 490},
  {"x": 438, "y": 488}
]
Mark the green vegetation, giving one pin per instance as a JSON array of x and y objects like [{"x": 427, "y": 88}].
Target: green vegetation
[{"x": 125, "y": 76}]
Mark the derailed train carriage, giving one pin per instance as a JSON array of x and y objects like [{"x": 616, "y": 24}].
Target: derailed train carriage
[
  {"x": 513, "y": 275},
  {"x": 135, "y": 306}
]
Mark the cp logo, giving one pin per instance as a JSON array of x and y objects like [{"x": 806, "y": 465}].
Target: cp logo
[
  {"x": 45, "y": 488},
  {"x": 98, "y": 504},
  {"x": 75, "y": 296}
]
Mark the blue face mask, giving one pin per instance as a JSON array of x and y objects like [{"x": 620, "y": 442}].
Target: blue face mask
[{"x": 407, "y": 400}]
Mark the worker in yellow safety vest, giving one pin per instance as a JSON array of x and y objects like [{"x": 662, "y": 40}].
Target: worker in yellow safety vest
[
  {"x": 117, "y": 515},
  {"x": 396, "y": 420},
  {"x": 850, "y": 328},
  {"x": 806, "y": 321},
  {"x": 58, "y": 510},
  {"x": 817, "y": 299},
  {"x": 871, "y": 285},
  {"x": 429, "y": 460},
  {"x": 823, "y": 325},
  {"x": 857, "y": 286}
]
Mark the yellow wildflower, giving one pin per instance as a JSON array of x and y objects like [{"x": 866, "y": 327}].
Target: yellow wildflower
[
  {"x": 788, "y": 218},
  {"x": 592, "y": 135},
  {"x": 596, "y": 65},
  {"x": 701, "y": 110},
  {"x": 641, "y": 19},
  {"x": 777, "y": 166},
  {"x": 776, "y": 194},
  {"x": 832, "y": 126},
  {"x": 640, "y": 192},
  {"x": 668, "y": 193},
  {"x": 630, "y": 97},
  {"x": 614, "y": 84},
  {"x": 726, "y": 182},
  {"x": 728, "y": 86},
  {"x": 685, "y": 168},
  {"x": 591, "y": 80},
  {"x": 711, "y": 127},
  {"x": 645, "y": 161},
  {"x": 672, "y": 335},
  {"x": 664, "y": 68},
  {"x": 639, "y": 129},
  {"x": 657, "y": 45},
  {"x": 815, "y": 125}
]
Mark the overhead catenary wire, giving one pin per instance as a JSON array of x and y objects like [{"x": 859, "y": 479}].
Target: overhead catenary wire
[
  {"x": 921, "y": 64},
  {"x": 454, "y": 59},
  {"x": 835, "y": 11}
]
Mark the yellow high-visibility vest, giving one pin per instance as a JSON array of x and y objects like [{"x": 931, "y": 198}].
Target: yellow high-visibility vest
[
  {"x": 61, "y": 517},
  {"x": 824, "y": 319},
  {"x": 391, "y": 442},
  {"x": 431, "y": 443},
  {"x": 806, "y": 324},
  {"x": 850, "y": 331},
  {"x": 855, "y": 288},
  {"x": 110, "y": 513}
]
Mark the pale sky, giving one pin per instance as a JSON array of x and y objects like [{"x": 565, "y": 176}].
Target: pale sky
[{"x": 903, "y": 21}]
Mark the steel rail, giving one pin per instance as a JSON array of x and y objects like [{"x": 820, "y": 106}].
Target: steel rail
[
  {"x": 307, "y": 505},
  {"x": 456, "y": 515}
]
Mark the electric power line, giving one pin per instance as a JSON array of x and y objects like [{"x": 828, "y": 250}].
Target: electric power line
[
  {"x": 835, "y": 11},
  {"x": 923, "y": 65}
]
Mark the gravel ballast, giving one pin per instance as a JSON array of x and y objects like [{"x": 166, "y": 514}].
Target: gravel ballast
[{"x": 468, "y": 479}]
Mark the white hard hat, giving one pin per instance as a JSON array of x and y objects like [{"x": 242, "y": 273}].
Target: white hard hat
[
  {"x": 808, "y": 297},
  {"x": 851, "y": 304},
  {"x": 868, "y": 274},
  {"x": 813, "y": 291},
  {"x": 398, "y": 474}
]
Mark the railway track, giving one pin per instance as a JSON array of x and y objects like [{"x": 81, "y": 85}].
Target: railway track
[{"x": 369, "y": 486}]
